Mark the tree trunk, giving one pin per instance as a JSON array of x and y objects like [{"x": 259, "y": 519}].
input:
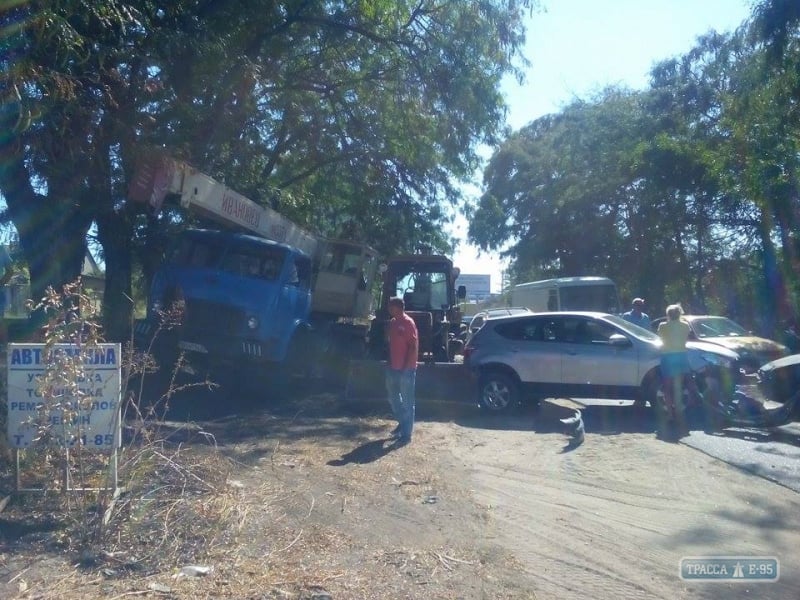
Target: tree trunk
[
  {"x": 114, "y": 232},
  {"x": 52, "y": 234},
  {"x": 773, "y": 290}
]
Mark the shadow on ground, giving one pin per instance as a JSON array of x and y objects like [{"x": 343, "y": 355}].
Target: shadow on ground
[
  {"x": 231, "y": 414},
  {"x": 783, "y": 435},
  {"x": 366, "y": 453}
]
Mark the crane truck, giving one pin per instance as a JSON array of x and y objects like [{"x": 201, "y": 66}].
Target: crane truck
[
  {"x": 258, "y": 292},
  {"x": 263, "y": 292}
]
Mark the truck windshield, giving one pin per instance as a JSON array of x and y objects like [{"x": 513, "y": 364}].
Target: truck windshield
[
  {"x": 246, "y": 260},
  {"x": 601, "y": 298},
  {"x": 423, "y": 291}
]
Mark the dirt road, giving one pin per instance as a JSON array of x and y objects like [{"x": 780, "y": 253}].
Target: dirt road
[
  {"x": 322, "y": 505},
  {"x": 523, "y": 515},
  {"x": 613, "y": 518}
]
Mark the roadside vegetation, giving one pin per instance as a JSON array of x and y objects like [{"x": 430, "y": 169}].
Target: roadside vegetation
[
  {"x": 685, "y": 191},
  {"x": 133, "y": 512},
  {"x": 363, "y": 120}
]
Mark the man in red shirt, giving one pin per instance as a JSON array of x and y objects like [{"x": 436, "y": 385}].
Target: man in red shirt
[{"x": 401, "y": 371}]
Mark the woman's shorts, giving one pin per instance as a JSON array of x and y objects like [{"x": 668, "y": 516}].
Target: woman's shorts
[{"x": 674, "y": 363}]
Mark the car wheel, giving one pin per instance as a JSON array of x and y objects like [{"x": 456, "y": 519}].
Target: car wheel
[
  {"x": 649, "y": 390},
  {"x": 498, "y": 392}
]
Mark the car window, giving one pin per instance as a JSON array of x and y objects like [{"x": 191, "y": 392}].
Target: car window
[
  {"x": 521, "y": 330},
  {"x": 579, "y": 330},
  {"x": 546, "y": 329}
]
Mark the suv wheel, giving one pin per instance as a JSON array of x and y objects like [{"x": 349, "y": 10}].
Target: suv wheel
[
  {"x": 649, "y": 390},
  {"x": 497, "y": 391}
]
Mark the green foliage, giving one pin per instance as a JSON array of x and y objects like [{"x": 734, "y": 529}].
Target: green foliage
[
  {"x": 553, "y": 178},
  {"x": 355, "y": 117},
  {"x": 666, "y": 189}
]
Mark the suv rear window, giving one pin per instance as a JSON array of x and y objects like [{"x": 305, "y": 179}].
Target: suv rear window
[{"x": 521, "y": 330}]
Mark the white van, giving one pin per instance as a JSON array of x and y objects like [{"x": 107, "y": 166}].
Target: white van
[{"x": 568, "y": 293}]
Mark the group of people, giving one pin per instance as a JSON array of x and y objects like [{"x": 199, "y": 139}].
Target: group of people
[{"x": 674, "y": 333}]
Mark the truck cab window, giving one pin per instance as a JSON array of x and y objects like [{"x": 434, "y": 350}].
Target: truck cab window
[
  {"x": 300, "y": 272},
  {"x": 196, "y": 253}
]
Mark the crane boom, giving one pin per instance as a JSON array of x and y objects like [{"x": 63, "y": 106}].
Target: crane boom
[{"x": 209, "y": 198}]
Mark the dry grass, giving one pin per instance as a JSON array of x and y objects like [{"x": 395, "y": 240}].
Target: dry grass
[{"x": 291, "y": 513}]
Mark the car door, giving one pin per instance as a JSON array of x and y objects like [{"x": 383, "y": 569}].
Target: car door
[
  {"x": 590, "y": 363},
  {"x": 532, "y": 350}
]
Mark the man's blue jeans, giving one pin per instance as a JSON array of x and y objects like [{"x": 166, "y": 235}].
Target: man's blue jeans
[{"x": 400, "y": 386}]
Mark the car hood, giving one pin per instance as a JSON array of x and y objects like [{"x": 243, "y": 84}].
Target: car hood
[
  {"x": 750, "y": 343},
  {"x": 781, "y": 363},
  {"x": 712, "y": 348}
]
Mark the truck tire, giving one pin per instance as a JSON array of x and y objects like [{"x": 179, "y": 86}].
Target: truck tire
[
  {"x": 498, "y": 392},
  {"x": 303, "y": 356}
]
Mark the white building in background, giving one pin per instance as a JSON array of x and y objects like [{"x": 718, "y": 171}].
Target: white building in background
[{"x": 479, "y": 287}]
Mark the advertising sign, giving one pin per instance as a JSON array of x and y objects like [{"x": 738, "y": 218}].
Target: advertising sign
[
  {"x": 478, "y": 286},
  {"x": 87, "y": 413}
]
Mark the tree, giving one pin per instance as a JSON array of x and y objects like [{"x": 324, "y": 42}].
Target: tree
[
  {"x": 698, "y": 171},
  {"x": 560, "y": 188},
  {"x": 350, "y": 117}
]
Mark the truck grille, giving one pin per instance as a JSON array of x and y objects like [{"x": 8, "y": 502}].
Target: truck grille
[{"x": 203, "y": 316}]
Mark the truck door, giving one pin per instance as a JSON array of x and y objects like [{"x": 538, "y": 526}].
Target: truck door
[{"x": 295, "y": 301}]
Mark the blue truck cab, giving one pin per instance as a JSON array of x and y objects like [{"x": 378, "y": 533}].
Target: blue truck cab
[{"x": 241, "y": 298}]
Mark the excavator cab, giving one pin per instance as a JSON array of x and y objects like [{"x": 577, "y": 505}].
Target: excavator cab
[{"x": 426, "y": 284}]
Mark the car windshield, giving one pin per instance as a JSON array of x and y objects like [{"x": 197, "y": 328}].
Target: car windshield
[
  {"x": 629, "y": 327},
  {"x": 705, "y": 327}
]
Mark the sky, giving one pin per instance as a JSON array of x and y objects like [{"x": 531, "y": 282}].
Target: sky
[{"x": 578, "y": 47}]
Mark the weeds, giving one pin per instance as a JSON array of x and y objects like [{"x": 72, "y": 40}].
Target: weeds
[{"x": 139, "y": 506}]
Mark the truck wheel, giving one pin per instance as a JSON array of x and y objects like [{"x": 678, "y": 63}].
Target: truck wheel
[
  {"x": 498, "y": 392},
  {"x": 303, "y": 356},
  {"x": 441, "y": 355},
  {"x": 455, "y": 347}
]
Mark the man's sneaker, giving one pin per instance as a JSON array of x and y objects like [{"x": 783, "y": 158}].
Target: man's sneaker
[
  {"x": 395, "y": 432},
  {"x": 402, "y": 440}
]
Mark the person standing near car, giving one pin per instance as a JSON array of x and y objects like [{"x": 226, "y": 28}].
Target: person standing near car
[
  {"x": 401, "y": 371},
  {"x": 636, "y": 316},
  {"x": 674, "y": 333}
]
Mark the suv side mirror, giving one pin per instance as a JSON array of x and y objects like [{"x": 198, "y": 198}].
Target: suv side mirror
[
  {"x": 461, "y": 292},
  {"x": 618, "y": 340}
]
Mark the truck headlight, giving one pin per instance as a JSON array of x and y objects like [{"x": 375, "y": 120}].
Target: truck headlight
[{"x": 252, "y": 323}]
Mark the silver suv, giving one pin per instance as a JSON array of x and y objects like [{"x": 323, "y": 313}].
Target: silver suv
[{"x": 575, "y": 355}]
